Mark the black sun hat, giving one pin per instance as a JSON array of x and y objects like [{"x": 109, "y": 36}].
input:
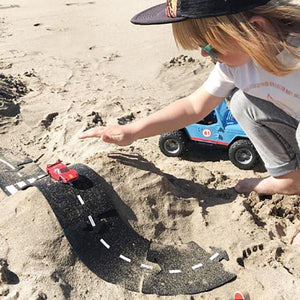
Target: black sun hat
[{"x": 179, "y": 10}]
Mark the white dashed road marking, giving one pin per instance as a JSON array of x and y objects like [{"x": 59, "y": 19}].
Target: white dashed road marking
[
  {"x": 11, "y": 189},
  {"x": 104, "y": 243},
  {"x": 175, "y": 271},
  {"x": 214, "y": 256},
  {"x": 92, "y": 221},
  {"x": 80, "y": 199},
  {"x": 125, "y": 258},
  {"x": 195, "y": 267},
  {"x": 19, "y": 174},
  {"x": 31, "y": 180},
  {"x": 8, "y": 164},
  {"x": 21, "y": 184}
]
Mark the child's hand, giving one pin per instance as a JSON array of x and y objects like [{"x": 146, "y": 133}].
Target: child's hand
[{"x": 119, "y": 135}]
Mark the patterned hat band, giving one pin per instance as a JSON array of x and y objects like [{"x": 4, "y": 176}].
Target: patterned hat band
[{"x": 171, "y": 9}]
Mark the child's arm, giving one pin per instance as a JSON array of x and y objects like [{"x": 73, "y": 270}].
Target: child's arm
[{"x": 177, "y": 115}]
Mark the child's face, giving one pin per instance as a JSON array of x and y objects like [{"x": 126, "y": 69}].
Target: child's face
[{"x": 233, "y": 58}]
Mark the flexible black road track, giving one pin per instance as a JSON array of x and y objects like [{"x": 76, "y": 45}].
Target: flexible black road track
[{"x": 106, "y": 244}]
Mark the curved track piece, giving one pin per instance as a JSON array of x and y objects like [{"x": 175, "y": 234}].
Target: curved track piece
[
  {"x": 187, "y": 269},
  {"x": 104, "y": 243},
  {"x": 108, "y": 246}
]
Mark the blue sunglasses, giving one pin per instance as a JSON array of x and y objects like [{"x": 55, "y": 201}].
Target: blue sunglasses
[{"x": 209, "y": 50}]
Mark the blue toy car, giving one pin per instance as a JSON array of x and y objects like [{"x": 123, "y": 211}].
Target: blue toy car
[{"x": 218, "y": 128}]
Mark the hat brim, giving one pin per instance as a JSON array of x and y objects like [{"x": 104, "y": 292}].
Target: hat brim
[{"x": 154, "y": 16}]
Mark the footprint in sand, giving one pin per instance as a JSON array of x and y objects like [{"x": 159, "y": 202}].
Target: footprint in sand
[
  {"x": 247, "y": 252},
  {"x": 79, "y": 4},
  {"x": 8, "y": 6}
]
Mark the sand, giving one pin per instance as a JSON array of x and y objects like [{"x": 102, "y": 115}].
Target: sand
[{"x": 68, "y": 66}]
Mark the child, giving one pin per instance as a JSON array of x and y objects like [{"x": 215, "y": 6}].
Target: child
[{"x": 255, "y": 45}]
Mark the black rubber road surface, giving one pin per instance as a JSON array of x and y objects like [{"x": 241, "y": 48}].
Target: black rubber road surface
[{"x": 106, "y": 244}]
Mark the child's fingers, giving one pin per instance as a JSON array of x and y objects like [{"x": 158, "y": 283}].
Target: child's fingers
[
  {"x": 92, "y": 133},
  {"x": 111, "y": 135}
]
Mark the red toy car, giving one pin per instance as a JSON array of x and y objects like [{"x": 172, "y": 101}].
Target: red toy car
[{"x": 61, "y": 172}]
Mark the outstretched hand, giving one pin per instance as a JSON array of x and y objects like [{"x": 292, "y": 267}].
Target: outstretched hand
[{"x": 119, "y": 134}]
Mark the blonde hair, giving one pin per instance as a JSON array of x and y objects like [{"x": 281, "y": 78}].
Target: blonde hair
[{"x": 261, "y": 46}]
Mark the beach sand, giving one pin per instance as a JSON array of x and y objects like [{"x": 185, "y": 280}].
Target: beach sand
[{"x": 68, "y": 66}]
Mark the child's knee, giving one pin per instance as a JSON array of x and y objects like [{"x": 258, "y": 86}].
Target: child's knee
[{"x": 239, "y": 104}]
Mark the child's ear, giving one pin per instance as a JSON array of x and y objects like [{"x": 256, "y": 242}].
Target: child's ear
[{"x": 259, "y": 22}]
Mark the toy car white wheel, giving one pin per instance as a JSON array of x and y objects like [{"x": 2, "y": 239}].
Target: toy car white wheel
[
  {"x": 173, "y": 143},
  {"x": 243, "y": 154}
]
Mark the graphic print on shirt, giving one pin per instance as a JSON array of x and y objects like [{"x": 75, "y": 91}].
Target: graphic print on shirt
[{"x": 274, "y": 85}]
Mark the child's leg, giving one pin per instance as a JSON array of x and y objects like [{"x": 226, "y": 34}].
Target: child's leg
[{"x": 276, "y": 138}]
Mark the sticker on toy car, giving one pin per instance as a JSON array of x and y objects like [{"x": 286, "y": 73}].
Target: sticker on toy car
[{"x": 206, "y": 132}]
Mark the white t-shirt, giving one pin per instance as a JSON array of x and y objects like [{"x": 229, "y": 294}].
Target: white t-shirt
[{"x": 283, "y": 91}]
